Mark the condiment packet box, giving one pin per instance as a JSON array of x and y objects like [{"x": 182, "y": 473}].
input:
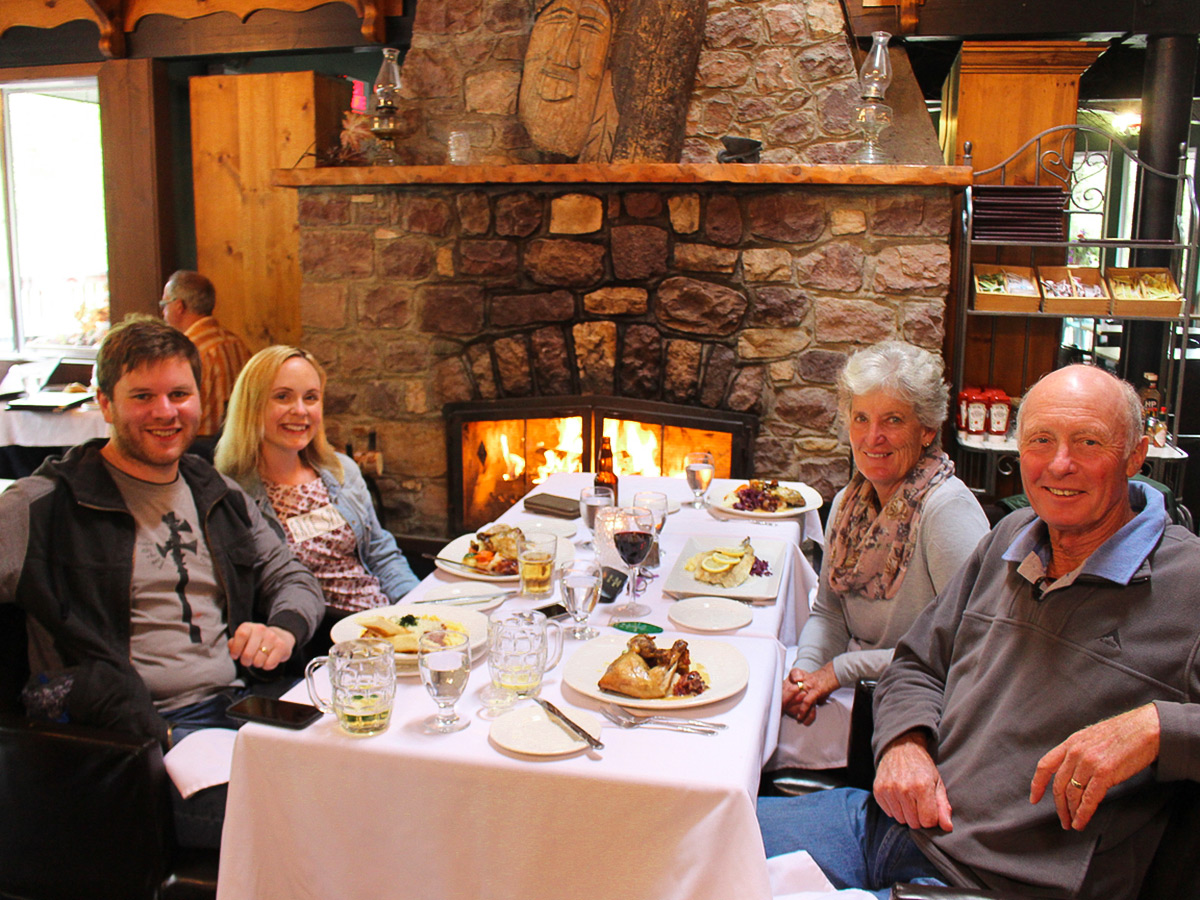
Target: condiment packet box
[
  {"x": 1006, "y": 288},
  {"x": 1073, "y": 291},
  {"x": 1144, "y": 292}
]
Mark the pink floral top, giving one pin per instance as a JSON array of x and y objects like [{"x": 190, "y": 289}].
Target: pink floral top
[{"x": 323, "y": 541}]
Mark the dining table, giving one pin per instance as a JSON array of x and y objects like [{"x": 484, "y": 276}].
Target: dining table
[{"x": 655, "y": 814}]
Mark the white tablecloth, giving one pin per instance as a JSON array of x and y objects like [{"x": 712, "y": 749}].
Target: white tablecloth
[
  {"x": 655, "y": 814},
  {"x": 22, "y": 428}
]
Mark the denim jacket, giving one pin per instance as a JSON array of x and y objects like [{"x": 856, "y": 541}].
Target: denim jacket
[{"x": 377, "y": 549}]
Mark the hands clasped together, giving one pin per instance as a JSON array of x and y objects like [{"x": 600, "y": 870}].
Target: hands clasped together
[{"x": 1081, "y": 770}]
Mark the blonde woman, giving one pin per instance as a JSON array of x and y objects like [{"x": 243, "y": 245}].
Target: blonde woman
[{"x": 274, "y": 446}]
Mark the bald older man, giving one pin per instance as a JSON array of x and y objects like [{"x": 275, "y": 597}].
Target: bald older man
[{"x": 1034, "y": 717}]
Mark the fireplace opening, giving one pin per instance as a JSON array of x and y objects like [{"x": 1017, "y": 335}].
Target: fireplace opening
[{"x": 499, "y": 450}]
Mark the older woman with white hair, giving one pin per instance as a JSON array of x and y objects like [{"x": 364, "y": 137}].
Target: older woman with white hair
[{"x": 895, "y": 535}]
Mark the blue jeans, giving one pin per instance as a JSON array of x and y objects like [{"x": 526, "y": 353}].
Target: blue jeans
[{"x": 854, "y": 842}]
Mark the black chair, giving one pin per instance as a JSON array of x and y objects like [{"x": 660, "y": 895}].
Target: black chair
[{"x": 84, "y": 812}]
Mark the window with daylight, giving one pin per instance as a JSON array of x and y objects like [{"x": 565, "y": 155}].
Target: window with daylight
[{"x": 54, "y": 262}]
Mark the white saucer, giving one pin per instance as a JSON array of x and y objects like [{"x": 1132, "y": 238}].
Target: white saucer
[
  {"x": 563, "y": 528},
  {"x": 710, "y": 614},
  {"x": 531, "y": 731}
]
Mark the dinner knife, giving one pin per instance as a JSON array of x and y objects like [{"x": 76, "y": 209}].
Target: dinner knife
[
  {"x": 571, "y": 726},
  {"x": 455, "y": 562}
]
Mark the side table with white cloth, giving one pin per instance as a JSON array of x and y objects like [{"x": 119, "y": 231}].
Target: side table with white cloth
[
  {"x": 655, "y": 814},
  {"x": 26, "y": 437}
]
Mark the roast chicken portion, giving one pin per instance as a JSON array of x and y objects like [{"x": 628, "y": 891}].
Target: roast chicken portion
[{"x": 647, "y": 672}]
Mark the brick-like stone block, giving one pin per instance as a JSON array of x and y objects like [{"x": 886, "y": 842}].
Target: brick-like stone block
[
  {"x": 503, "y": 16},
  {"x": 479, "y": 358},
  {"x": 595, "y": 356},
  {"x": 564, "y": 262},
  {"x": 853, "y": 321},
  {"x": 923, "y": 323},
  {"x": 430, "y": 74},
  {"x": 492, "y": 258},
  {"x": 912, "y": 215},
  {"x": 381, "y": 398},
  {"x": 551, "y": 364},
  {"x": 824, "y": 18},
  {"x": 781, "y": 372},
  {"x": 493, "y": 93},
  {"x": 716, "y": 117},
  {"x": 914, "y": 267},
  {"x": 328, "y": 254},
  {"x": 451, "y": 383},
  {"x": 792, "y": 130},
  {"x": 785, "y": 24},
  {"x": 847, "y": 221},
  {"x": 324, "y": 208},
  {"x": 384, "y": 306},
  {"x": 684, "y": 212},
  {"x": 704, "y": 258},
  {"x": 773, "y": 71},
  {"x": 821, "y": 366},
  {"x": 526, "y": 309},
  {"x": 718, "y": 371},
  {"x": 682, "y": 375},
  {"x": 700, "y": 307},
  {"x": 638, "y": 251},
  {"x": 723, "y": 220},
  {"x": 779, "y": 307},
  {"x": 723, "y": 69},
  {"x": 770, "y": 343},
  {"x": 448, "y": 17},
  {"x": 409, "y": 259},
  {"x": 789, "y": 218},
  {"x": 474, "y": 212},
  {"x": 746, "y": 393},
  {"x": 827, "y": 60},
  {"x": 760, "y": 264},
  {"x": 617, "y": 301},
  {"x": 424, "y": 215},
  {"x": 518, "y": 215},
  {"x": 811, "y": 408},
  {"x": 738, "y": 27},
  {"x": 775, "y": 457},
  {"x": 641, "y": 362},
  {"x": 512, "y": 361},
  {"x": 836, "y": 106},
  {"x": 576, "y": 214},
  {"x": 338, "y": 400},
  {"x": 373, "y": 209},
  {"x": 644, "y": 204},
  {"x": 832, "y": 267},
  {"x": 827, "y": 476},
  {"x": 451, "y": 309},
  {"x": 322, "y": 305}
]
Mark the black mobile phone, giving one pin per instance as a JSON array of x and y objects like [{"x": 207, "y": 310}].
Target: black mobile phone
[
  {"x": 270, "y": 711},
  {"x": 553, "y": 611}
]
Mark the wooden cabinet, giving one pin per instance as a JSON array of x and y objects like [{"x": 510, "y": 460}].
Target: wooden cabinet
[{"x": 247, "y": 229}]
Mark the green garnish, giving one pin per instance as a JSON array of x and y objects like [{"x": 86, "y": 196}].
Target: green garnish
[{"x": 407, "y": 621}]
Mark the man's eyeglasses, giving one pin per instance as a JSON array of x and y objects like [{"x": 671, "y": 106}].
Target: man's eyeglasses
[{"x": 163, "y": 304}]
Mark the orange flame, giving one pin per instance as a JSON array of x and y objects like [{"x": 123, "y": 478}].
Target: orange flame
[{"x": 514, "y": 463}]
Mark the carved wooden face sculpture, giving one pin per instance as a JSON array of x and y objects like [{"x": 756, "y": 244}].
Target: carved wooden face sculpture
[{"x": 564, "y": 71}]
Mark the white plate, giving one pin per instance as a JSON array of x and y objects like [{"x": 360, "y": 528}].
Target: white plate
[
  {"x": 457, "y": 549},
  {"x": 725, "y": 665},
  {"x": 476, "y": 623},
  {"x": 682, "y": 583},
  {"x": 534, "y": 732},
  {"x": 812, "y": 500},
  {"x": 710, "y": 614},
  {"x": 460, "y": 593},
  {"x": 563, "y": 528}
]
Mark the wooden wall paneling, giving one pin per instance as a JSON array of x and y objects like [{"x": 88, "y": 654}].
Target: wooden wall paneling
[
  {"x": 138, "y": 193},
  {"x": 247, "y": 230}
]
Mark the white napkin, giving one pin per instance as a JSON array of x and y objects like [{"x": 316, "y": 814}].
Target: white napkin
[
  {"x": 202, "y": 759},
  {"x": 794, "y": 876}
]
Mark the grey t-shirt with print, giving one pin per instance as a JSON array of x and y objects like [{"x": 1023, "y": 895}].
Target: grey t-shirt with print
[{"x": 178, "y": 628}]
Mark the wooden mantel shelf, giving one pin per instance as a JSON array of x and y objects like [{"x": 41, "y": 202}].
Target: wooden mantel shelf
[{"x": 629, "y": 173}]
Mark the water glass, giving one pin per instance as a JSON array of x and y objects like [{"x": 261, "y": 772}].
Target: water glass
[
  {"x": 535, "y": 562},
  {"x": 362, "y": 678},
  {"x": 444, "y": 660},
  {"x": 579, "y": 583},
  {"x": 698, "y": 468},
  {"x": 459, "y": 146},
  {"x": 591, "y": 501}
]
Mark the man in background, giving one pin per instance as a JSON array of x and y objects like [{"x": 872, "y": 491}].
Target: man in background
[{"x": 187, "y": 304}]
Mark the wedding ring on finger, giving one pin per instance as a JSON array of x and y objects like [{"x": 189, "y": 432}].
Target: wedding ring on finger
[
  {"x": 265, "y": 650},
  {"x": 1076, "y": 784}
]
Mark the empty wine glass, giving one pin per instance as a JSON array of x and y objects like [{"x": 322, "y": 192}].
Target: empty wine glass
[
  {"x": 698, "y": 468},
  {"x": 591, "y": 501},
  {"x": 633, "y": 537},
  {"x": 659, "y": 507},
  {"x": 579, "y": 582},
  {"x": 444, "y": 659}
]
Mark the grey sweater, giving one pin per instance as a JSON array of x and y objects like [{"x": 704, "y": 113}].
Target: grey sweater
[
  {"x": 998, "y": 679},
  {"x": 858, "y": 633}
]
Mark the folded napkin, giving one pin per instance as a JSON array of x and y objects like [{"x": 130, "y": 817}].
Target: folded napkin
[
  {"x": 794, "y": 876},
  {"x": 202, "y": 759}
]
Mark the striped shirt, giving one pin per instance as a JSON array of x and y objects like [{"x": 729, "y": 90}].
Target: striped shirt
[{"x": 222, "y": 355}]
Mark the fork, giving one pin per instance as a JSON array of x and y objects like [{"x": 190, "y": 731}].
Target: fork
[
  {"x": 666, "y": 724},
  {"x": 622, "y": 713}
]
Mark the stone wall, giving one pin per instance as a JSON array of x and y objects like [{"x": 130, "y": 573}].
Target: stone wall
[
  {"x": 779, "y": 71},
  {"x": 719, "y": 296}
]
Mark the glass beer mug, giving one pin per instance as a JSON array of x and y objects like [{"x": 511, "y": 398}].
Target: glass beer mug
[
  {"x": 362, "y": 678},
  {"x": 522, "y": 647}
]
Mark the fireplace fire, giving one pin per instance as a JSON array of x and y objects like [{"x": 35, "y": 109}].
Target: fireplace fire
[{"x": 500, "y": 450}]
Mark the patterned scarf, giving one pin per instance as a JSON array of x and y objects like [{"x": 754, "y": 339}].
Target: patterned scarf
[{"x": 871, "y": 547}]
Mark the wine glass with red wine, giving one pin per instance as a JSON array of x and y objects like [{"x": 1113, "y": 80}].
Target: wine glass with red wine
[{"x": 633, "y": 537}]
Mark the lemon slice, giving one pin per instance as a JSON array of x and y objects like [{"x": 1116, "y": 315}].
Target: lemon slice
[
  {"x": 721, "y": 556},
  {"x": 735, "y": 553},
  {"x": 715, "y": 566}
]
